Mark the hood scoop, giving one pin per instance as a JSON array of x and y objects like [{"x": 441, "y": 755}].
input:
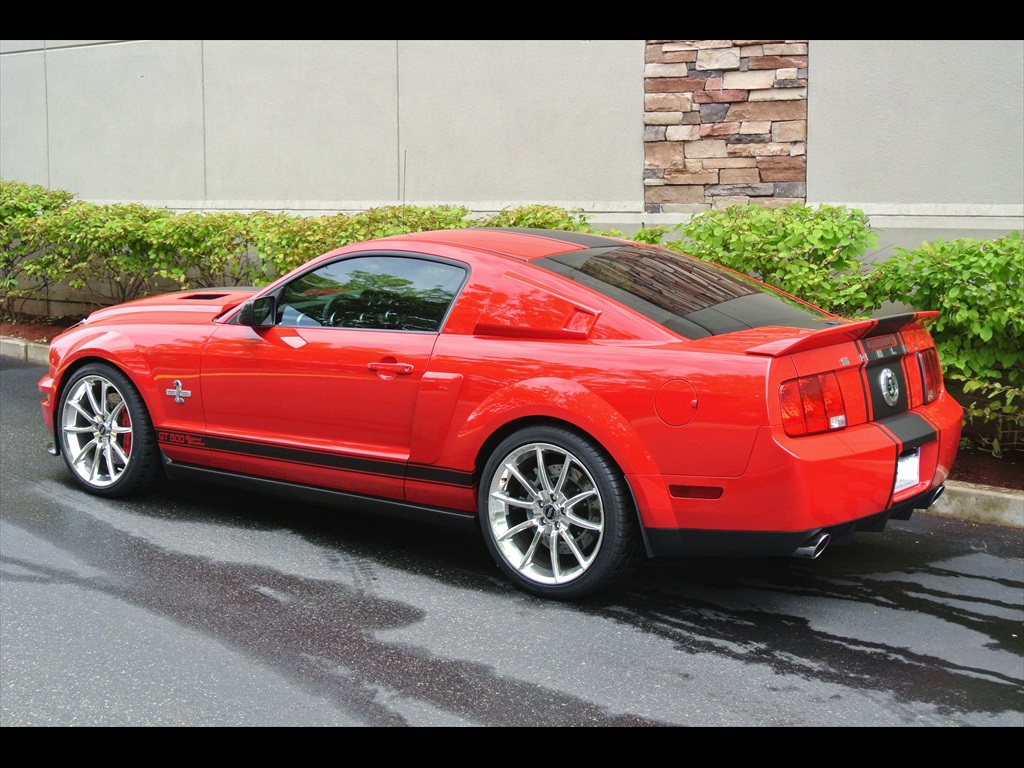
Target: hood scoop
[{"x": 203, "y": 296}]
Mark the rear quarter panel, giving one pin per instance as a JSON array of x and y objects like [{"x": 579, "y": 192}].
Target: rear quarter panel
[{"x": 613, "y": 392}]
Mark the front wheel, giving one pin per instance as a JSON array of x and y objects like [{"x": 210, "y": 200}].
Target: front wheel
[
  {"x": 105, "y": 433},
  {"x": 556, "y": 514}
]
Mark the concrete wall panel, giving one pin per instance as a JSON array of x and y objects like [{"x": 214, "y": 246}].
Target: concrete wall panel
[
  {"x": 501, "y": 122},
  {"x": 23, "y": 118},
  {"x": 301, "y": 124},
  {"x": 16, "y": 46},
  {"x": 126, "y": 120},
  {"x": 935, "y": 124}
]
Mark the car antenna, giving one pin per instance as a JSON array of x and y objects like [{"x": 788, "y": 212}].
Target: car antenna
[{"x": 405, "y": 169}]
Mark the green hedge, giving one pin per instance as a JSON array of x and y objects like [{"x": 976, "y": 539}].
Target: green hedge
[
  {"x": 978, "y": 286},
  {"x": 113, "y": 253},
  {"x": 20, "y": 204},
  {"x": 813, "y": 253}
]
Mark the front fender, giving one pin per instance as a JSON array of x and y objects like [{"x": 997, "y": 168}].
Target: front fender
[
  {"x": 97, "y": 344},
  {"x": 79, "y": 346},
  {"x": 180, "y": 363}
]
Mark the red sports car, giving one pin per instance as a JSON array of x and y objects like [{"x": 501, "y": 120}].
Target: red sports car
[{"x": 584, "y": 400}]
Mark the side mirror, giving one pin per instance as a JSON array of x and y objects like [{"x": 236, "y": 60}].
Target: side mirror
[{"x": 258, "y": 312}]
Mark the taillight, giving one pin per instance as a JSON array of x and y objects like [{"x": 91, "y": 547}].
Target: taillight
[
  {"x": 812, "y": 404},
  {"x": 931, "y": 374}
]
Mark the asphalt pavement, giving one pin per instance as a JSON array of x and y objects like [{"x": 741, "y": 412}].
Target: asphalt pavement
[{"x": 963, "y": 501}]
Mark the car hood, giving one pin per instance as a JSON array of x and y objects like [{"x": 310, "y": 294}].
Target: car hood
[{"x": 188, "y": 307}]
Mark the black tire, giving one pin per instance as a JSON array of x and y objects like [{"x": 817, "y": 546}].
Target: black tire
[
  {"x": 105, "y": 433},
  {"x": 556, "y": 514}
]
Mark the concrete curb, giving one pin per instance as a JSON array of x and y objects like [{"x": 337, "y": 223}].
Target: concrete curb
[
  {"x": 963, "y": 501},
  {"x": 24, "y": 350},
  {"x": 981, "y": 504}
]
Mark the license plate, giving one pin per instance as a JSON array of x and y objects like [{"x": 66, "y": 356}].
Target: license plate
[{"x": 908, "y": 470}]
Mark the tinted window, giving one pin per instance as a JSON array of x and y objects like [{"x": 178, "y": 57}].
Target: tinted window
[
  {"x": 382, "y": 292},
  {"x": 691, "y": 297}
]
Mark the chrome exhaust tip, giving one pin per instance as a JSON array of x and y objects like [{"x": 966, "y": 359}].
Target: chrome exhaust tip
[
  {"x": 930, "y": 498},
  {"x": 813, "y": 547}
]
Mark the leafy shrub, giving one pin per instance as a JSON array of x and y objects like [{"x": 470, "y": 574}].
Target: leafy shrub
[
  {"x": 19, "y": 199},
  {"x": 202, "y": 250},
  {"x": 812, "y": 253},
  {"x": 283, "y": 242},
  {"x": 537, "y": 217},
  {"x": 19, "y": 202},
  {"x": 398, "y": 219},
  {"x": 650, "y": 236},
  {"x": 978, "y": 287},
  {"x": 104, "y": 251}
]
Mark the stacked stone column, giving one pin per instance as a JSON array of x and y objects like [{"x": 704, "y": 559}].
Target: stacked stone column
[{"x": 725, "y": 123}]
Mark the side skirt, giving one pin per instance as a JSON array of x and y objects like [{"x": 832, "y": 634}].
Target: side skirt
[{"x": 323, "y": 496}]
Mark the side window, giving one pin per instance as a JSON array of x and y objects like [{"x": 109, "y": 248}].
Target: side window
[{"x": 398, "y": 293}]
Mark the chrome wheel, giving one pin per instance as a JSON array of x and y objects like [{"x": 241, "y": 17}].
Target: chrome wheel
[
  {"x": 556, "y": 513},
  {"x": 546, "y": 514},
  {"x": 97, "y": 431},
  {"x": 106, "y": 437}
]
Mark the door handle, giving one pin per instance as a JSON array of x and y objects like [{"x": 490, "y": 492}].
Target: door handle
[{"x": 394, "y": 369}]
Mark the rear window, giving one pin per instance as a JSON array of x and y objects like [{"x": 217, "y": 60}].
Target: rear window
[{"x": 684, "y": 294}]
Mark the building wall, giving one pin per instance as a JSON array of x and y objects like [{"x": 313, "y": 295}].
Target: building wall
[
  {"x": 316, "y": 126},
  {"x": 926, "y": 136}
]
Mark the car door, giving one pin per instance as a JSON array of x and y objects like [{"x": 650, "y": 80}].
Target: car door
[{"x": 325, "y": 393}]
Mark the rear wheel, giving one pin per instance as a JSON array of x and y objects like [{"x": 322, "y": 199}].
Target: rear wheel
[
  {"x": 556, "y": 514},
  {"x": 105, "y": 433}
]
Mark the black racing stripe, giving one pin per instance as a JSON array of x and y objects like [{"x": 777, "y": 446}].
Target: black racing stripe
[
  {"x": 931, "y": 423},
  {"x": 304, "y": 456},
  {"x": 910, "y": 429},
  {"x": 865, "y": 388},
  {"x": 895, "y": 466},
  {"x": 893, "y": 323},
  {"x": 907, "y": 430},
  {"x": 379, "y": 467},
  {"x": 935, "y": 427},
  {"x": 440, "y": 475},
  {"x": 888, "y": 434}
]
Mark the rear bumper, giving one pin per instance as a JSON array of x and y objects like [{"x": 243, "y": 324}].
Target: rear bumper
[
  {"x": 807, "y": 543},
  {"x": 792, "y": 488}
]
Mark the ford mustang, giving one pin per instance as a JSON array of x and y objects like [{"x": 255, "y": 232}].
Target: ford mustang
[{"x": 584, "y": 401}]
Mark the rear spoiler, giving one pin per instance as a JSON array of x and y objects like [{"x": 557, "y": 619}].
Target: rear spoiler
[{"x": 838, "y": 334}]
